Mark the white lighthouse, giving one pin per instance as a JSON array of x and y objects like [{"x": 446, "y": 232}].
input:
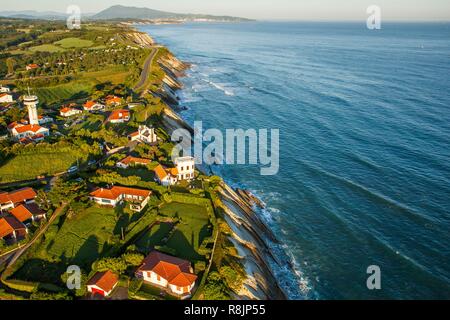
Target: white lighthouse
[{"x": 31, "y": 103}]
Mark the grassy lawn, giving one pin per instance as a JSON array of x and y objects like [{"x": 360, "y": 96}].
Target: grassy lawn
[
  {"x": 74, "y": 43},
  {"x": 139, "y": 171},
  {"x": 29, "y": 166},
  {"x": 46, "y": 48},
  {"x": 191, "y": 230},
  {"x": 153, "y": 237},
  {"x": 81, "y": 240},
  {"x": 69, "y": 91}
]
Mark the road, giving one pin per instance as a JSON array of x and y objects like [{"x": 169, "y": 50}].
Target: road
[{"x": 147, "y": 67}]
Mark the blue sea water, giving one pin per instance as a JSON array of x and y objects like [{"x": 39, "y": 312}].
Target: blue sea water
[{"x": 364, "y": 119}]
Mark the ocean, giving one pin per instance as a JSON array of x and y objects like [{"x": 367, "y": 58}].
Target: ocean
[{"x": 364, "y": 120}]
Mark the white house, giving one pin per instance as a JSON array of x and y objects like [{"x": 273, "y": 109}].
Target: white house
[
  {"x": 69, "y": 112},
  {"x": 102, "y": 283},
  {"x": 11, "y": 228},
  {"x": 32, "y": 131},
  {"x": 93, "y": 106},
  {"x": 169, "y": 273},
  {"x": 119, "y": 116},
  {"x": 145, "y": 135},
  {"x": 44, "y": 119},
  {"x": 9, "y": 200},
  {"x": 185, "y": 167},
  {"x": 6, "y": 98},
  {"x": 28, "y": 213},
  {"x": 166, "y": 176},
  {"x": 114, "y": 196}
]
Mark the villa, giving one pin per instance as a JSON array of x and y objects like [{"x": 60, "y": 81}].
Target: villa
[
  {"x": 117, "y": 195},
  {"x": 103, "y": 283},
  {"x": 68, "y": 112},
  {"x": 184, "y": 170},
  {"x": 145, "y": 135},
  {"x": 119, "y": 116},
  {"x": 185, "y": 167},
  {"x": 27, "y": 213},
  {"x": 6, "y": 98},
  {"x": 113, "y": 101},
  {"x": 166, "y": 176},
  {"x": 169, "y": 273},
  {"x": 132, "y": 161},
  {"x": 12, "y": 199},
  {"x": 12, "y": 229},
  {"x": 93, "y": 106},
  {"x": 33, "y": 132}
]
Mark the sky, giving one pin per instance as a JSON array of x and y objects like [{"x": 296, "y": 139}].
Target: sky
[{"x": 333, "y": 10}]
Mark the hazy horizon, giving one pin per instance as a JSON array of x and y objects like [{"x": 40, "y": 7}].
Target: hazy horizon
[{"x": 310, "y": 10}]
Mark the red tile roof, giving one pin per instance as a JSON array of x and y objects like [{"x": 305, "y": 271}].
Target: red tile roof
[
  {"x": 18, "y": 196},
  {"x": 116, "y": 192},
  {"x": 8, "y": 225},
  {"x": 29, "y": 127},
  {"x": 33, "y": 66},
  {"x": 176, "y": 271},
  {"x": 162, "y": 172},
  {"x": 119, "y": 115},
  {"x": 89, "y": 104},
  {"x": 104, "y": 280},
  {"x": 4, "y": 94},
  {"x": 132, "y": 160},
  {"x": 26, "y": 211}
]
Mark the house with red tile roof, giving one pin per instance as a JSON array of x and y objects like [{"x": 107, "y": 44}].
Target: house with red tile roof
[
  {"x": 166, "y": 176},
  {"x": 32, "y": 66},
  {"x": 172, "y": 274},
  {"x": 9, "y": 200},
  {"x": 102, "y": 283},
  {"x": 6, "y": 98},
  {"x": 119, "y": 116},
  {"x": 12, "y": 229},
  {"x": 132, "y": 161},
  {"x": 69, "y": 112},
  {"x": 33, "y": 132},
  {"x": 93, "y": 106},
  {"x": 27, "y": 213},
  {"x": 115, "y": 196},
  {"x": 113, "y": 101}
]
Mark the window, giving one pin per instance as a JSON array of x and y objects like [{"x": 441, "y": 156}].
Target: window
[{"x": 182, "y": 168}]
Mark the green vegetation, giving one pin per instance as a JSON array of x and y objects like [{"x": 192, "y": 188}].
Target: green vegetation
[
  {"x": 30, "y": 165},
  {"x": 74, "y": 43},
  {"x": 46, "y": 48}
]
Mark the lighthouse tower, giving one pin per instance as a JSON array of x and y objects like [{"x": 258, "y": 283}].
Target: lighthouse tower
[{"x": 31, "y": 103}]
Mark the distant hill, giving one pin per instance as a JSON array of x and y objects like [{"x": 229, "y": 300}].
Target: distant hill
[
  {"x": 44, "y": 15},
  {"x": 122, "y": 12}
]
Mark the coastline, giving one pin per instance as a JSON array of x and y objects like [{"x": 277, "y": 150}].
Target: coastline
[{"x": 250, "y": 235}]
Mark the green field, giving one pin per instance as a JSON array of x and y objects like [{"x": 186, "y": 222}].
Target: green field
[
  {"x": 191, "y": 230},
  {"x": 68, "y": 43},
  {"x": 153, "y": 237},
  {"x": 29, "y": 166},
  {"x": 46, "y": 48},
  {"x": 71, "y": 91},
  {"x": 81, "y": 240}
]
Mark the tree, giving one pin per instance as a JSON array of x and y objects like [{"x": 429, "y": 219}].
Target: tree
[
  {"x": 133, "y": 259},
  {"x": 42, "y": 200},
  {"x": 66, "y": 191},
  {"x": 116, "y": 265}
]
